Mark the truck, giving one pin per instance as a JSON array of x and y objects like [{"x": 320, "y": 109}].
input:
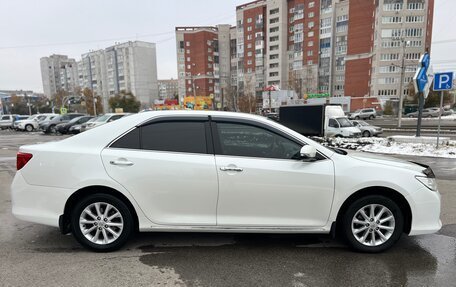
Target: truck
[{"x": 318, "y": 120}]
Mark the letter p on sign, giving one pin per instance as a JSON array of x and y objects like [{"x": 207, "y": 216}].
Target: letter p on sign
[{"x": 443, "y": 81}]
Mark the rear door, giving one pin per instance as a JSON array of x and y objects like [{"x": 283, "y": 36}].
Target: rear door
[{"x": 168, "y": 166}]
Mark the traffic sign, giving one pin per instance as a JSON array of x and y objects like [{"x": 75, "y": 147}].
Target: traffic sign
[
  {"x": 443, "y": 81},
  {"x": 63, "y": 111},
  {"x": 424, "y": 76}
]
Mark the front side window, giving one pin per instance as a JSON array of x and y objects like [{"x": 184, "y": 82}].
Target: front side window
[
  {"x": 333, "y": 123},
  {"x": 251, "y": 141},
  {"x": 174, "y": 136},
  {"x": 344, "y": 122}
]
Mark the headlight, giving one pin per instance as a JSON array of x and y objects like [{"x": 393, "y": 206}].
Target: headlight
[{"x": 429, "y": 182}]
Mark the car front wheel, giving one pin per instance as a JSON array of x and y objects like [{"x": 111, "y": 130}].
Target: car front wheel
[
  {"x": 366, "y": 134},
  {"x": 101, "y": 222},
  {"x": 373, "y": 224},
  {"x": 29, "y": 128}
]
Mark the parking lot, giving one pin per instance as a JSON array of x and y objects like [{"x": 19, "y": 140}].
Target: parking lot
[{"x": 35, "y": 255}]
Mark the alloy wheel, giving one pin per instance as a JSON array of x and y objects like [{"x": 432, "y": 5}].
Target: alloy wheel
[
  {"x": 101, "y": 223},
  {"x": 373, "y": 225}
]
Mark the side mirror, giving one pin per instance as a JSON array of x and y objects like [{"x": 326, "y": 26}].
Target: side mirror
[{"x": 308, "y": 152}]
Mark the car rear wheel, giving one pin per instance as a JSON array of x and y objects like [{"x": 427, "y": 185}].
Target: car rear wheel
[
  {"x": 29, "y": 128},
  {"x": 373, "y": 224},
  {"x": 101, "y": 222},
  {"x": 366, "y": 134},
  {"x": 357, "y": 118},
  {"x": 371, "y": 117}
]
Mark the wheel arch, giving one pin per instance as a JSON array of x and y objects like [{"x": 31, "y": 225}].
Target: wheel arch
[
  {"x": 64, "y": 220},
  {"x": 390, "y": 193}
]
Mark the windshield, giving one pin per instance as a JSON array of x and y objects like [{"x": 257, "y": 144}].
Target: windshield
[
  {"x": 344, "y": 122},
  {"x": 363, "y": 123},
  {"x": 103, "y": 118}
]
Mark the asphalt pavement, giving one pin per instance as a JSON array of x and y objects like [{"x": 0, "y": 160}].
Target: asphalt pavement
[{"x": 36, "y": 255}]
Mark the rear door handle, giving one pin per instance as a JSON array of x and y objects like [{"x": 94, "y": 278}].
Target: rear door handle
[
  {"x": 121, "y": 162},
  {"x": 226, "y": 168}
]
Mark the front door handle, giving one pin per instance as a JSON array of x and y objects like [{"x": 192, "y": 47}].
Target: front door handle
[
  {"x": 121, "y": 162},
  {"x": 229, "y": 168}
]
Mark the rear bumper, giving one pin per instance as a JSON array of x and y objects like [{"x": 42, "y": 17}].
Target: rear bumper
[
  {"x": 425, "y": 212},
  {"x": 38, "y": 204}
]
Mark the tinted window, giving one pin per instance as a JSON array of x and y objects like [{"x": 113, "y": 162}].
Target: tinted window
[
  {"x": 5, "y": 118},
  {"x": 251, "y": 141},
  {"x": 116, "y": 117},
  {"x": 130, "y": 140},
  {"x": 178, "y": 136}
]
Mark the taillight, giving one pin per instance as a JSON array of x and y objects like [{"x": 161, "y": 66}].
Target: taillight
[{"x": 22, "y": 159}]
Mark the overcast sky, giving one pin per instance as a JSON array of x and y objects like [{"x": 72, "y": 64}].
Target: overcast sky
[{"x": 31, "y": 29}]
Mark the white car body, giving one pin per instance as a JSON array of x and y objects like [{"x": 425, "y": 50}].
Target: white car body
[{"x": 176, "y": 191}]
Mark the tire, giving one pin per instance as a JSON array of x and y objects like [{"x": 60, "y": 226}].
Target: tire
[
  {"x": 29, "y": 128},
  {"x": 123, "y": 225},
  {"x": 371, "y": 117},
  {"x": 366, "y": 134},
  {"x": 357, "y": 118},
  {"x": 52, "y": 129},
  {"x": 392, "y": 234}
]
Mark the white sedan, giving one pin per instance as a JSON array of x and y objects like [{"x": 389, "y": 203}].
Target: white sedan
[{"x": 218, "y": 171}]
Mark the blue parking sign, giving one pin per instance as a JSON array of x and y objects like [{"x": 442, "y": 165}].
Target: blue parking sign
[{"x": 443, "y": 81}]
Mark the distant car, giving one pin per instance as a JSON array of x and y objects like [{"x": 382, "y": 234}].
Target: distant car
[
  {"x": 49, "y": 127},
  {"x": 367, "y": 130},
  {"x": 6, "y": 121},
  {"x": 81, "y": 127},
  {"x": 363, "y": 114},
  {"x": 448, "y": 112},
  {"x": 64, "y": 128},
  {"x": 272, "y": 116},
  {"x": 427, "y": 113},
  {"x": 106, "y": 118},
  {"x": 31, "y": 123}
]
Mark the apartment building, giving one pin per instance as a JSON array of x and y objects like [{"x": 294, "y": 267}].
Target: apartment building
[
  {"x": 340, "y": 48},
  {"x": 58, "y": 72},
  {"x": 168, "y": 89},
  {"x": 403, "y": 32},
  {"x": 129, "y": 67},
  {"x": 203, "y": 61}
]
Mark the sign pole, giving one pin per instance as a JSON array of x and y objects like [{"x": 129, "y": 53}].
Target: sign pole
[
  {"x": 440, "y": 118},
  {"x": 420, "y": 113}
]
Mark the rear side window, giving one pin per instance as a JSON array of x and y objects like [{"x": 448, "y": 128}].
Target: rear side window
[
  {"x": 130, "y": 140},
  {"x": 175, "y": 136}
]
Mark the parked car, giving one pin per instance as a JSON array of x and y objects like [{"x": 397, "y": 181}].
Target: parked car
[
  {"x": 31, "y": 123},
  {"x": 49, "y": 127},
  {"x": 217, "y": 171},
  {"x": 427, "y": 113},
  {"x": 367, "y": 130},
  {"x": 80, "y": 128},
  {"x": 6, "y": 121},
  {"x": 64, "y": 128},
  {"x": 447, "y": 112},
  {"x": 101, "y": 120},
  {"x": 363, "y": 114}
]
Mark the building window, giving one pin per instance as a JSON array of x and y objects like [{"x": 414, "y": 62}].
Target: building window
[
  {"x": 188, "y": 51},
  {"x": 273, "y": 56},
  {"x": 389, "y": 57},
  {"x": 249, "y": 45},
  {"x": 249, "y": 54},
  {"x": 414, "y": 19},
  {"x": 249, "y": 20},
  {"x": 310, "y": 44},
  {"x": 188, "y": 59},
  {"x": 187, "y": 44},
  {"x": 391, "y": 19},
  {"x": 311, "y": 4},
  {"x": 310, "y": 34},
  {"x": 414, "y": 32},
  {"x": 275, "y": 47},
  {"x": 274, "y": 38},
  {"x": 274, "y": 29},
  {"x": 274, "y": 74},
  {"x": 274, "y": 11},
  {"x": 310, "y": 53},
  {"x": 415, "y": 5},
  {"x": 274, "y": 65},
  {"x": 249, "y": 37},
  {"x": 392, "y": 7},
  {"x": 311, "y": 24},
  {"x": 273, "y": 20},
  {"x": 249, "y": 28},
  {"x": 249, "y": 62},
  {"x": 311, "y": 14}
]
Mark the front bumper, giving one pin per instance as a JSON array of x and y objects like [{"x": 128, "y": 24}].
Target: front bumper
[
  {"x": 38, "y": 204},
  {"x": 426, "y": 206}
]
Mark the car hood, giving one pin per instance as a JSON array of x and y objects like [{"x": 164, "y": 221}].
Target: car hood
[{"x": 386, "y": 160}]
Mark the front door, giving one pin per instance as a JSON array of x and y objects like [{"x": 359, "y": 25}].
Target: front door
[
  {"x": 168, "y": 170},
  {"x": 263, "y": 183}
]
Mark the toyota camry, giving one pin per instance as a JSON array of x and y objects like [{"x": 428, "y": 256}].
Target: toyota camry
[{"x": 220, "y": 172}]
